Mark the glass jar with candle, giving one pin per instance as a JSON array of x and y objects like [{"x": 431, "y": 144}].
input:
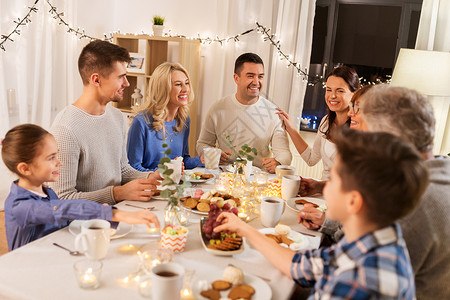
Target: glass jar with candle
[{"x": 87, "y": 273}]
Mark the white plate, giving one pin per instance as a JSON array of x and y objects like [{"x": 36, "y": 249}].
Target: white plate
[
  {"x": 293, "y": 235},
  {"x": 217, "y": 252},
  {"x": 297, "y": 207},
  {"x": 122, "y": 230},
  {"x": 190, "y": 179},
  {"x": 262, "y": 289}
]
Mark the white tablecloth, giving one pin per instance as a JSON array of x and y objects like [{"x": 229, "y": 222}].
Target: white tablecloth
[{"x": 40, "y": 270}]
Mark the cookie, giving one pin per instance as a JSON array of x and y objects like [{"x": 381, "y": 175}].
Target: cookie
[
  {"x": 206, "y": 176},
  {"x": 286, "y": 240},
  {"x": 190, "y": 203},
  {"x": 274, "y": 237},
  {"x": 211, "y": 294},
  {"x": 303, "y": 201},
  {"x": 221, "y": 285},
  {"x": 248, "y": 288},
  {"x": 203, "y": 207},
  {"x": 238, "y": 292}
]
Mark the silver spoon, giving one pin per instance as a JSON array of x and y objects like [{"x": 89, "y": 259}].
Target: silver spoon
[{"x": 74, "y": 253}]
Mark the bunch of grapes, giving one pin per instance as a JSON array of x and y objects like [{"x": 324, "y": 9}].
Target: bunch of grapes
[{"x": 211, "y": 222}]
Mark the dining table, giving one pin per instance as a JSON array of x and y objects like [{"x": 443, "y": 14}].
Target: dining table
[{"x": 39, "y": 270}]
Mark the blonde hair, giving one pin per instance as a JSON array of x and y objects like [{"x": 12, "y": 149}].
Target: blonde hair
[{"x": 159, "y": 96}]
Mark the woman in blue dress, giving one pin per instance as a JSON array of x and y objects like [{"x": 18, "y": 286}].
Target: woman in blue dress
[{"x": 163, "y": 118}]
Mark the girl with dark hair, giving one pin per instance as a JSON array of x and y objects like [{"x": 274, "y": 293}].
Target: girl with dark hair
[
  {"x": 33, "y": 210},
  {"x": 341, "y": 83}
]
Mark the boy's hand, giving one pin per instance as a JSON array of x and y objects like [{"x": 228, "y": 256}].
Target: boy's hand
[
  {"x": 230, "y": 222},
  {"x": 309, "y": 186},
  {"x": 136, "y": 217},
  {"x": 311, "y": 217}
]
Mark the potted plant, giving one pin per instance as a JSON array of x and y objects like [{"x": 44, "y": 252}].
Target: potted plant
[{"x": 158, "y": 25}]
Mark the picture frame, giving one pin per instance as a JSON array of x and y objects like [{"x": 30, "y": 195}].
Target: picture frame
[{"x": 137, "y": 63}]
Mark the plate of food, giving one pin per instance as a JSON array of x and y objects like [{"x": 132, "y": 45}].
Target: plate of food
[
  {"x": 224, "y": 244},
  {"x": 199, "y": 177},
  {"x": 232, "y": 284},
  {"x": 198, "y": 201},
  {"x": 122, "y": 230},
  {"x": 296, "y": 204},
  {"x": 286, "y": 237}
]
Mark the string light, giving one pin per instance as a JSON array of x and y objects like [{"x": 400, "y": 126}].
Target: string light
[
  {"x": 265, "y": 33},
  {"x": 20, "y": 22}
]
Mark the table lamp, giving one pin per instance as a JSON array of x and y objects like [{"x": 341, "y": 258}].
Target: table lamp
[{"x": 427, "y": 72}]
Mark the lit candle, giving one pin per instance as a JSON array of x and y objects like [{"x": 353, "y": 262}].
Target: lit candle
[{"x": 88, "y": 280}]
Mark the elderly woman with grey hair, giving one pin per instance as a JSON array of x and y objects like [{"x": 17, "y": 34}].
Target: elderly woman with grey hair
[{"x": 408, "y": 115}]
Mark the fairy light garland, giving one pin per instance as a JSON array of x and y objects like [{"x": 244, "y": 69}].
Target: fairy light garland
[
  {"x": 20, "y": 22},
  {"x": 265, "y": 32}
]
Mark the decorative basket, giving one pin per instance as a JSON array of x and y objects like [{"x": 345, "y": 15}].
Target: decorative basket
[{"x": 176, "y": 243}]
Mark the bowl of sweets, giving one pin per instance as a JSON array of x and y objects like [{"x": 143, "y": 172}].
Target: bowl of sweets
[{"x": 174, "y": 237}]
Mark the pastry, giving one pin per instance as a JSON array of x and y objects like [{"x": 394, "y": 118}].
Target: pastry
[
  {"x": 247, "y": 287},
  {"x": 303, "y": 201},
  {"x": 238, "y": 292},
  {"x": 221, "y": 285},
  {"x": 233, "y": 274},
  {"x": 204, "y": 207},
  {"x": 190, "y": 203},
  {"x": 211, "y": 294}
]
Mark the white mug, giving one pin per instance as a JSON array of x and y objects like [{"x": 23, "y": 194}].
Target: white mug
[
  {"x": 212, "y": 158},
  {"x": 167, "y": 281},
  {"x": 282, "y": 170},
  {"x": 94, "y": 238},
  {"x": 176, "y": 166},
  {"x": 271, "y": 210},
  {"x": 290, "y": 184}
]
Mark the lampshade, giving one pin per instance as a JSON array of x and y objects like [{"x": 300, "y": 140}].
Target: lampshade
[{"x": 427, "y": 72}]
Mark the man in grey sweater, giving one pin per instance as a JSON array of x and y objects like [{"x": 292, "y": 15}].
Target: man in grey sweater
[
  {"x": 407, "y": 114},
  {"x": 91, "y": 134}
]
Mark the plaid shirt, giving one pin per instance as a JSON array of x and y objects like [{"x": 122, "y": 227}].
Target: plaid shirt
[{"x": 376, "y": 266}]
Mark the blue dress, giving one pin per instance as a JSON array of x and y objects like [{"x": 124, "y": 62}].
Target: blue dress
[{"x": 144, "y": 147}]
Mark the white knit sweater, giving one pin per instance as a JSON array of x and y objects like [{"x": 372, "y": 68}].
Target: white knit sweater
[
  {"x": 256, "y": 125},
  {"x": 92, "y": 150}
]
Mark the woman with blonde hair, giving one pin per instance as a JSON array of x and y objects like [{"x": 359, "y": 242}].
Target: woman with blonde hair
[{"x": 163, "y": 119}]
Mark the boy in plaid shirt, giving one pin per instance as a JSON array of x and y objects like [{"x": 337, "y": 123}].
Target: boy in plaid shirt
[{"x": 375, "y": 180}]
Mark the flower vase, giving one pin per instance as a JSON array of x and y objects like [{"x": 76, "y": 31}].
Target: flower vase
[
  {"x": 175, "y": 215},
  {"x": 238, "y": 185}
]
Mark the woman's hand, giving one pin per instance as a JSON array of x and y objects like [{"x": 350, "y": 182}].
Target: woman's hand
[
  {"x": 284, "y": 117},
  {"x": 230, "y": 222}
]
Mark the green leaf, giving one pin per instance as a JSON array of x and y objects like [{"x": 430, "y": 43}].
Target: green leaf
[
  {"x": 255, "y": 151},
  {"x": 250, "y": 158},
  {"x": 241, "y": 152},
  {"x": 168, "y": 151},
  {"x": 167, "y": 181},
  {"x": 248, "y": 150},
  {"x": 166, "y": 193},
  {"x": 168, "y": 172},
  {"x": 164, "y": 160},
  {"x": 165, "y": 145}
]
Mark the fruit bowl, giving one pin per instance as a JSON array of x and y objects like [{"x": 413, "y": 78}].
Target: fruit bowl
[{"x": 205, "y": 243}]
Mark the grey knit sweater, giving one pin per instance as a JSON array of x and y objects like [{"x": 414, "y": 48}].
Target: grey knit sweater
[
  {"x": 92, "y": 150},
  {"x": 426, "y": 232}
]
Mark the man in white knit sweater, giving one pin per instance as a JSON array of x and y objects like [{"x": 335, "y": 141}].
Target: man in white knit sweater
[
  {"x": 91, "y": 134},
  {"x": 247, "y": 118}
]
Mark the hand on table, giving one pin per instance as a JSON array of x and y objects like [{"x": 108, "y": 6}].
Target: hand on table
[
  {"x": 311, "y": 217},
  {"x": 136, "y": 217},
  {"x": 202, "y": 158},
  {"x": 270, "y": 164},
  {"x": 309, "y": 186},
  {"x": 225, "y": 156},
  {"x": 138, "y": 189}
]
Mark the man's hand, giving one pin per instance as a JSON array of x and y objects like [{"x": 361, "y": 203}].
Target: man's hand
[
  {"x": 155, "y": 177},
  {"x": 270, "y": 164},
  {"x": 309, "y": 186},
  {"x": 136, "y": 217},
  {"x": 225, "y": 156},
  {"x": 202, "y": 159},
  {"x": 311, "y": 217},
  {"x": 138, "y": 189},
  {"x": 230, "y": 222}
]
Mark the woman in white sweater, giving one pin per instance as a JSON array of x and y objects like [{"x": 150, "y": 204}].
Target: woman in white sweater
[{"x": 341, "y": 83}]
